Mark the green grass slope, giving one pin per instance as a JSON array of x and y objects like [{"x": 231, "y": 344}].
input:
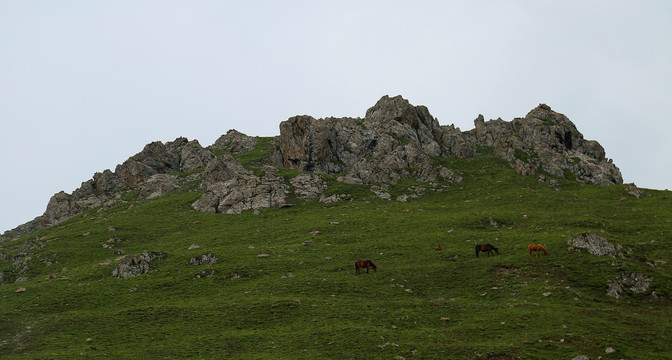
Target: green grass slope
[{"x": 301, "y": 298}]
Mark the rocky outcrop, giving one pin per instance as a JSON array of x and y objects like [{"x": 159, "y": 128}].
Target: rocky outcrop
[
  {"x": 134, "y": 265},
  {"x": 547, "y": 141},
  {"x": 394, "y": 140},
  {"x": 156, "y": 158},
  {"x": 396, "y": 135},
  {"x": 205, "y": 259},
  {"x": 158, "y": 185},
  {"x": 627, "y": 284},
  {"x": 235, "y": 142},
  {"x": 194, "y": 156},
  {"x": 222, "y": 168},
  {"x": 146, "y": 170},
  {"x": 594, "y": 244},
  {"x": 231, "y": 189},
  {"x": 308, "y": 186}
]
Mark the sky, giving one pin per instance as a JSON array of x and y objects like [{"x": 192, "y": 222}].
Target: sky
[{"x": 85, "y": 84}]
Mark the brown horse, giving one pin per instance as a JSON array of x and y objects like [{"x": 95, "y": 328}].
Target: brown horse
[
  {"x": 364, "y": 264},
  {"x": 438, "y": 247},
  {"x": 537, "y": 248},
  {"x": 487, "y": 248}
]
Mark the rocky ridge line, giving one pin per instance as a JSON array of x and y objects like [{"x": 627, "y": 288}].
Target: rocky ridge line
[{"x": 395, "y": 139}]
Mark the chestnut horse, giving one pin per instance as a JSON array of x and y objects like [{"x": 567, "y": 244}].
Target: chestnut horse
[
  {"x": 486, "y": 248},
  {"x": 537, "y": 248},
  {"x": 364, "y": 264}
]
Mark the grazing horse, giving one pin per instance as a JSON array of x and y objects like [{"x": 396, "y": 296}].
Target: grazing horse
[
  {"x": 537, "y": 248},
  {"x": 486, "y": 248},
  {"x": 438, "y": 247},
  {"x": 364, "y": 264}
]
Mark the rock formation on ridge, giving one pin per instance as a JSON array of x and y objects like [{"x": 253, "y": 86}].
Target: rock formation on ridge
[
  {"x": 395, "y": 134},
  {"x": 394, "y": 139}
]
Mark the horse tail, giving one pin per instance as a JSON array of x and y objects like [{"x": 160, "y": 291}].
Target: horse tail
[{"x": 477, "y": 246}]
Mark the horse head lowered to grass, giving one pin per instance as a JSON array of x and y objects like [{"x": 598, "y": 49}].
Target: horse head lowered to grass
[
  {"x": 487, "y": 248},
  {"x": 364, "y": 264},
  {"x": 537, "y": 248}
]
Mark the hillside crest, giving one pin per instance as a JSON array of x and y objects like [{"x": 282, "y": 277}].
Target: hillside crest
[{"x": 394, "y": 140}]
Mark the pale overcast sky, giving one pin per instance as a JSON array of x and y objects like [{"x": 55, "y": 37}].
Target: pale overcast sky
[{"x": 86, "y": 84}]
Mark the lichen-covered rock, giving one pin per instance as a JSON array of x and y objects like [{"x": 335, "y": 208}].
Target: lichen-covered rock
[
  {"x": 156, "y": 158},
  {"x": 546, "y": 140},
  {"x": 594, "y": 244},
  {"x": 243, "y": 192},
  {"x": 235, "y": 142},
  {"x": 222, "y": 168},
  {"x": 394, "y": 134},
  {"x": 158, "y": 185},
  {"x": 194, "y": 156},
  {"x": 205, "y": 259},
  {"x": 633, "y": 190},
  {"x": 633, "y": 283},
  {"x": 308, "y": 186},
  {"x": 134, "y": 265}
]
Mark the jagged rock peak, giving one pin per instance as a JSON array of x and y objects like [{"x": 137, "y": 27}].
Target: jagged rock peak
[
  {"x": 393, "y": 131},
  {"x": 545, "y": 114},
  {"x": 235, "y": 142},
  {"x": 398, "y": 109}
]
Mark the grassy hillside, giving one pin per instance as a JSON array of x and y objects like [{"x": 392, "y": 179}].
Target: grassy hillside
[{"x": 301, "y": 298}]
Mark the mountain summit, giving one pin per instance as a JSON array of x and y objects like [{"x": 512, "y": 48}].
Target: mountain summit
[{"x": 394, "y": 140}]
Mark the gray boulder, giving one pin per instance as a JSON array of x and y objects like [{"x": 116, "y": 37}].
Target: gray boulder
[
  {"x": 61, "y": 206},
  {"x": 205, "y": 259},
  {"x": 593, "y": 244},
  {"x": 308, "y": 186},
  {"x": 194, "y": 156},
  {"x": 134, "y": 265},
  {"x": 158, "y": 185},
  {"x": 235, "y": 142},
  {"x": 222, "y": 168},
  {"x": 241, "y": 192},
  {"x": 633, "y": 283}
]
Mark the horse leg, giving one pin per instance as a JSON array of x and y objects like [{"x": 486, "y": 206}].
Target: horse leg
[{"x": 356, "y": 269}]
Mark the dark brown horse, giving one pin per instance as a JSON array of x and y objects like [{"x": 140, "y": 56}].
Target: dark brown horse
[
  {"x": 537, "y": 248},
  {"x": 487, "y": 248},
  {"x": 364, "y": 264}
]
